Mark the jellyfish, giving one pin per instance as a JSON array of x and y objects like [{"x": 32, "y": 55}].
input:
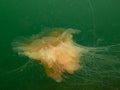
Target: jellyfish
[{"x": 56, "y": 50}]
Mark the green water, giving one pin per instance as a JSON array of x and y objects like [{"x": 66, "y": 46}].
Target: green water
[{"x": 99, "y": 21}]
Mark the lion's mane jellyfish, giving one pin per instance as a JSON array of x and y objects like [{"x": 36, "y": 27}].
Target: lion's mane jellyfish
[{"x": 56, "y": 51}]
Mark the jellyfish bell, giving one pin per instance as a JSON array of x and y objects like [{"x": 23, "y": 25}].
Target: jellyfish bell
[{"x": 55, "y": 50}]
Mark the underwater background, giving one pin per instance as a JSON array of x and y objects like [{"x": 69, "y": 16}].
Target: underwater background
[{"x": 98, "y": 21}]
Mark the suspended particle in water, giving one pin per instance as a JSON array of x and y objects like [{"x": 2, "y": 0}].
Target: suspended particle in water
[{"x": 57, "y": 52}]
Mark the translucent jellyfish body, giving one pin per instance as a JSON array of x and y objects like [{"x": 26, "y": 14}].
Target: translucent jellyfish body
[{"x": 57, "y": 52}]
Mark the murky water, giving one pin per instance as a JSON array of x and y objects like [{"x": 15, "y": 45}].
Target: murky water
[{"x": 99, "y": 23}]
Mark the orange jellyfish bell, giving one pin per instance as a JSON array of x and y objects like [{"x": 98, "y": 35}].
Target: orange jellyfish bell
[{"x": 55, "y": 50}]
